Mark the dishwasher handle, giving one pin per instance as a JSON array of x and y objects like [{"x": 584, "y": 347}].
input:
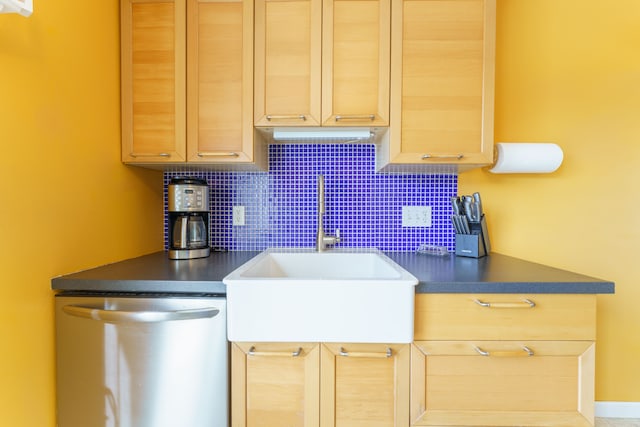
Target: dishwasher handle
[{"x": 116, "y": 316}]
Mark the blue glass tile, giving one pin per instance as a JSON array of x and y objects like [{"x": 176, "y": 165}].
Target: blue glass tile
[{"x": 281, "y": 205}]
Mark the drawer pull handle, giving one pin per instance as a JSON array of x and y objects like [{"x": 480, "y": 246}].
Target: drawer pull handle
[
  {"x": 217, "y": 154},
  {"x": 253, "y": 352},
  {"x": 527, "y": 303},
  {"x": 357, "y": 117},
  {"x": 372, "y": 354},
  {"x": 524, "y": 352},
  {"x": 136, "y": 155},
  {"x": 301, "y": 117},
  {"x": 442, "y": 156}
]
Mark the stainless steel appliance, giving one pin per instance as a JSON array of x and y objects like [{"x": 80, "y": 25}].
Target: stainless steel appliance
[
  {"x": 141, "y": 361},
  {"x": 188, "y": 208}
]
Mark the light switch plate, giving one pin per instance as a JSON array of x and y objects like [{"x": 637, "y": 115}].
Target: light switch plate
[
  {"x": 238, "y": 215},
  {"x": 416, "y": 216}
]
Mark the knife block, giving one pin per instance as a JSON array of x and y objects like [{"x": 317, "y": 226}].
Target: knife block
[{"x": 476, "y": 244}]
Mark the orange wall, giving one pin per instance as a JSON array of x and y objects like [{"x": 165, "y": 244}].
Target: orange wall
[
  {"x": 569, "y": 72},
  {"x": 67, "y": 201}
]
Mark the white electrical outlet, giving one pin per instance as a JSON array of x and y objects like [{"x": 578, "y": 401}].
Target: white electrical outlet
[
  {"x": 238, "y": 215},
  {"x": 416, "y": 216}
]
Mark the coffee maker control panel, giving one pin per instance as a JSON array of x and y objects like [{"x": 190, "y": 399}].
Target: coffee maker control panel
[{"x": 188, "y": 198}]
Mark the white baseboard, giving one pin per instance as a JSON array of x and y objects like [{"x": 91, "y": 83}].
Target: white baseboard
[{"x": 617, "y": 409}]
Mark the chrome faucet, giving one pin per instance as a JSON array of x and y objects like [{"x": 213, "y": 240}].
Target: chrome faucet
[{"x": 321, "y": 239}]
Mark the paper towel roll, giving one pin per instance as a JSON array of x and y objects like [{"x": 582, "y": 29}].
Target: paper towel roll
[{"x": 527, "y": 157}]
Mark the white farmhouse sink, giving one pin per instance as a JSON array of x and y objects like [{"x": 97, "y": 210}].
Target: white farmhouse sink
[{"x": 335, "y": 296}]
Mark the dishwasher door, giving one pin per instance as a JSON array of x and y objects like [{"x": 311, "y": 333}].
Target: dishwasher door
[{"x": 141, "y": 361}]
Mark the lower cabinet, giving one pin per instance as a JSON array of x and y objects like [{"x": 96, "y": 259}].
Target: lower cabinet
[
  {"x": 325, "y": 385},
  {"x": 364, "y": 385},
  {"x": 476, "y": 360},
  {"x": 275, "y": 384},
  {"x": 503, "y": 360},
  {"x": 496, "y": 383}
]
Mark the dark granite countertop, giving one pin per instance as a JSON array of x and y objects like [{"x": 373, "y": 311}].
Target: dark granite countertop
[
  {"x": 157, "y": 273},
  {"x": 495, "y": 274},
  {"x": 448, "y": 274}
]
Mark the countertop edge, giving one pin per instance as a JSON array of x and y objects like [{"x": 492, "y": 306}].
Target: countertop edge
[
  {"x": 516, "y": 288},
  {"x": 492, "y": 274}
]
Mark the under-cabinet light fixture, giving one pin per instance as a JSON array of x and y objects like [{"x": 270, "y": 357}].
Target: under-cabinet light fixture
[
  {"x": 289, "y": 134},
  {"x": 22, "y": 7}
]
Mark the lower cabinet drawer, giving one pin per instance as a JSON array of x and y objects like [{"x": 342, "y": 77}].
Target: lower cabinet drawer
[
  {"x": 502, "y": 383},
  {"x": 505, "y": 317}
]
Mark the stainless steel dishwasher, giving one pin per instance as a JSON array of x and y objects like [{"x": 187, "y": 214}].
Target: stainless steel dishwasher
[{"x": 141, "y": 361}]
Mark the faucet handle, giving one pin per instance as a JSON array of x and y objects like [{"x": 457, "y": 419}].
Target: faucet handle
[{"x": 337, "y": 235}]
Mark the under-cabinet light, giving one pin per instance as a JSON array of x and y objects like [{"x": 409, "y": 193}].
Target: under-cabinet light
[{"x": 315, "y": 133}]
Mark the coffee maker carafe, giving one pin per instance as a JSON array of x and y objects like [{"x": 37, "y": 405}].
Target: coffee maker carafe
[{"x": 188, "y": 218}]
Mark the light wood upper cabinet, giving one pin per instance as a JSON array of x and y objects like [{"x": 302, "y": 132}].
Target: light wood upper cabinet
[
  {"x": 442, "y": 82},
  {"x": 321, "y": 63},
  {"x": 187, "y": 83},
  {"x": 153, "y": 81},
  {"x": 219, "y": 81},
  {"x": 198, "y": 75},
  {"x": 355, "y": 63},
  {"x": 288, "y": 49}
]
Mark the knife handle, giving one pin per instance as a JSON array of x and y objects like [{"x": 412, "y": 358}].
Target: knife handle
[
  {"x": 466, "y": 204},
  {"x": 455, "y": 203},
  {"x": 478, "y": 200},
  {"x": 465, "y": 225}
]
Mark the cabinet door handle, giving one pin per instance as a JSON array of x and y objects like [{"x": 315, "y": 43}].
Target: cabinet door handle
[
  {"x": 114, "y": 316},
  {"x": 527, "y": 303},
  {"x": 358, "y": 117},
  {"x": 217, "y": 154},
  {"x": 523, "y": 352},
  {"x": 150, "y": 154},
  {"x": 442, "y": 156},
  {"x": 372, "y": 354},
  {"x": 287, "y": 117},
  {"x": 254, "y": 352}
]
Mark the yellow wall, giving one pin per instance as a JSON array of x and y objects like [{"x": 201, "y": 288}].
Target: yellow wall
[
  {"x": 568, "y": 71},
  {"x": 67, "y": 201}
]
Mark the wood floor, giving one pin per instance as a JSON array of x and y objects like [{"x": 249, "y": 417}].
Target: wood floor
[{"x": 617, "y": 422}]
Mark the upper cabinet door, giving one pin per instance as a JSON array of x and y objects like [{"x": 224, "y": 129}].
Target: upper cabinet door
[
  {"x": 443, "y": 56},
  {"x": 220, "y": 81},
  {"x": 153, "y": 81},
  {"x": 355, "y": 62},
  {"x": 287, "y": 62}
]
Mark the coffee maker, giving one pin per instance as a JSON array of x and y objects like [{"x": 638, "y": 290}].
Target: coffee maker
[{"x": 188, "y": 218}]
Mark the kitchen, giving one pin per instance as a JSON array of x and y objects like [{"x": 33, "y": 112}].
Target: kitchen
[{"x": 565, "y": 72}]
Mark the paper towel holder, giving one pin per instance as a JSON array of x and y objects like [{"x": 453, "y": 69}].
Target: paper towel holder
[
  {"x": 526, "y": 157},
  {"x": 22, "y": 7}
]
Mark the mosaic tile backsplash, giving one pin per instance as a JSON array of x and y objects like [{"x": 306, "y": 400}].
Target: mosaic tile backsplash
[{"x": 281, "y": 205}]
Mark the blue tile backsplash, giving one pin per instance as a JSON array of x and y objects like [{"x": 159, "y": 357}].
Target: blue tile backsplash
[{"x": 281, "y": 205}]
